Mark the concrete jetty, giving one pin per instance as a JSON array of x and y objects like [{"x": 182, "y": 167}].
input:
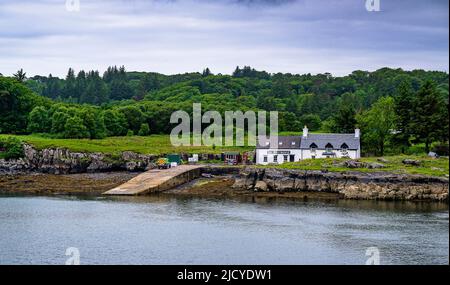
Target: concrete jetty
[{"x": 157, "y": 180}]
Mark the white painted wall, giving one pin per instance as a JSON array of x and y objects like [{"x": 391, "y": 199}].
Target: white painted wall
[
  {"x": 318, "y": 153},
  {"x": 299, "y": 154},
  {"x": 270, "y": 153}
]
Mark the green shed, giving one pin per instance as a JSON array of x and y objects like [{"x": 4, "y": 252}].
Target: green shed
[{"x": 174, "y": 158}]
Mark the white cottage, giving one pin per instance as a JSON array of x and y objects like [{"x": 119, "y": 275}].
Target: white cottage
[
  {"x": 286, "y": 149},
  {"x": 308, "y": 146}
]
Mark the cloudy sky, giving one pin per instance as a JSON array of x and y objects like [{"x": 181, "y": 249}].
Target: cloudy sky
[{"x": 176, "y": 36}]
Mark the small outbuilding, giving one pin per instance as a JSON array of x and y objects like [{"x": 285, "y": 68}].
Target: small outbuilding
[
  {"x": 233, "y": 157},
  {"x": 174, "y": 158}
]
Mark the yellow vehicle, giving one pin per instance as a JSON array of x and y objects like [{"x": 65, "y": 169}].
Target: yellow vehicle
[{"x": 163, "y": 163}]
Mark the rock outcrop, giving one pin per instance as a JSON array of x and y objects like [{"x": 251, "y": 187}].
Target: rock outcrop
[
  {"x": 351, "y": 185},
  {"x": 63, "y": 161}
]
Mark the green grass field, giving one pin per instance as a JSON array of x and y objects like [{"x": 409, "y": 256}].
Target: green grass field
[
  {"x": 154, "y": 144},
  {"x": 429, "y": 166}
]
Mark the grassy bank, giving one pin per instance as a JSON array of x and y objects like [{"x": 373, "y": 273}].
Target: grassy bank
[
  {"x": 154, "y": 144},
  {"x": 394, "y": 164}
]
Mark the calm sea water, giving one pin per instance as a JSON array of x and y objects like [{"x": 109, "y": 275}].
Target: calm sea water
[{"x": 174, "y": 230}]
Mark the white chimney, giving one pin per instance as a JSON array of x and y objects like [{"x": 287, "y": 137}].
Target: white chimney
[
  {"x": 305, "y": 131},
  {"x": 357, "y": 133}
]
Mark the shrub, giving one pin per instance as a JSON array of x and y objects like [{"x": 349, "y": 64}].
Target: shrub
[
  {"x": 74, "y": 129},
  {"x": 38, "y": 120},
  {"x": 144, "y": 130},
  {"x": 115, "y": 123},
  {"x": 417, "y": 149},
  {"x": 130, "y": 133},
  {"x": 11, "y": 148}
]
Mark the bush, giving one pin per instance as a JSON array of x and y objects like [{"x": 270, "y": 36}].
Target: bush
[
  {"x": 11, "y": 148},
  {"x": 416, "y": 149},
  {"x": 115, "y": 123},
  {"x": 74, "y": 129},
  {"x": 38, "y": 120},
  {"x": 130, "y": 133},
  {"x": 144, "y": 130}
]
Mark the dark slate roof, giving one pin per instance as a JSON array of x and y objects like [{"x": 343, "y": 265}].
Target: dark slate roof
[
  {"x": 321, "y": 140},
  {"x": 284, "y": 142}
]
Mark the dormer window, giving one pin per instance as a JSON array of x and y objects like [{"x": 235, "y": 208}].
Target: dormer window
[
  {"x": 292, "y": 143},
  {"x": 280, "y": 143},
  {"x": 344, "y": 146},
  {"x": 312, "y": 146},
  {"x": 267, "y": 143},
  {"x": 328, "y": 147}
]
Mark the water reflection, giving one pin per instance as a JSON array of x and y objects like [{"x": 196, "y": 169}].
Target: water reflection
[{"x": 371, "y": 205}]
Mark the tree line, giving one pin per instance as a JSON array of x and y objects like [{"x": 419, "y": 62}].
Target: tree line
[{"x": 395, "y": 109}]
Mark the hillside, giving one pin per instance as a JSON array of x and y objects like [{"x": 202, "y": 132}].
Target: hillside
[{"x": 412, "y": 104}]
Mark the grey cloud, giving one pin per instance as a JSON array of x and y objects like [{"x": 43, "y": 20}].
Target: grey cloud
[{"x": 179, "y": 36}]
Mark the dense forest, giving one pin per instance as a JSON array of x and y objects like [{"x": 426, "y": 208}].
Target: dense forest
[{"x": 395, "y": 109}]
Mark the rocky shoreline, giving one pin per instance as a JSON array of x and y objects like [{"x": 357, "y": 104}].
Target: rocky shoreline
[
  {"x": 349, "y": 185},
  {"x": 73, "y": 172},
  {"x": 249, "y": 181}
]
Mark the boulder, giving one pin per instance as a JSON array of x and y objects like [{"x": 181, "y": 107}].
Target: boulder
[
  {"x": 95, "y": 165},
  {"x": 129, "y": 155},
  {"x": 150, "y": 165},
  {"x": 355, "y": 164},
  {"x": 135, "y": 165},
  {"x": 360, "y": 164},
  {"x": 261, "y": 186},
  {"x": 412, "y": 162},
  {"x": 433, "y": 154},
  {"x": 375, "y": 165},
  {"x": 29, "y": 152}
]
